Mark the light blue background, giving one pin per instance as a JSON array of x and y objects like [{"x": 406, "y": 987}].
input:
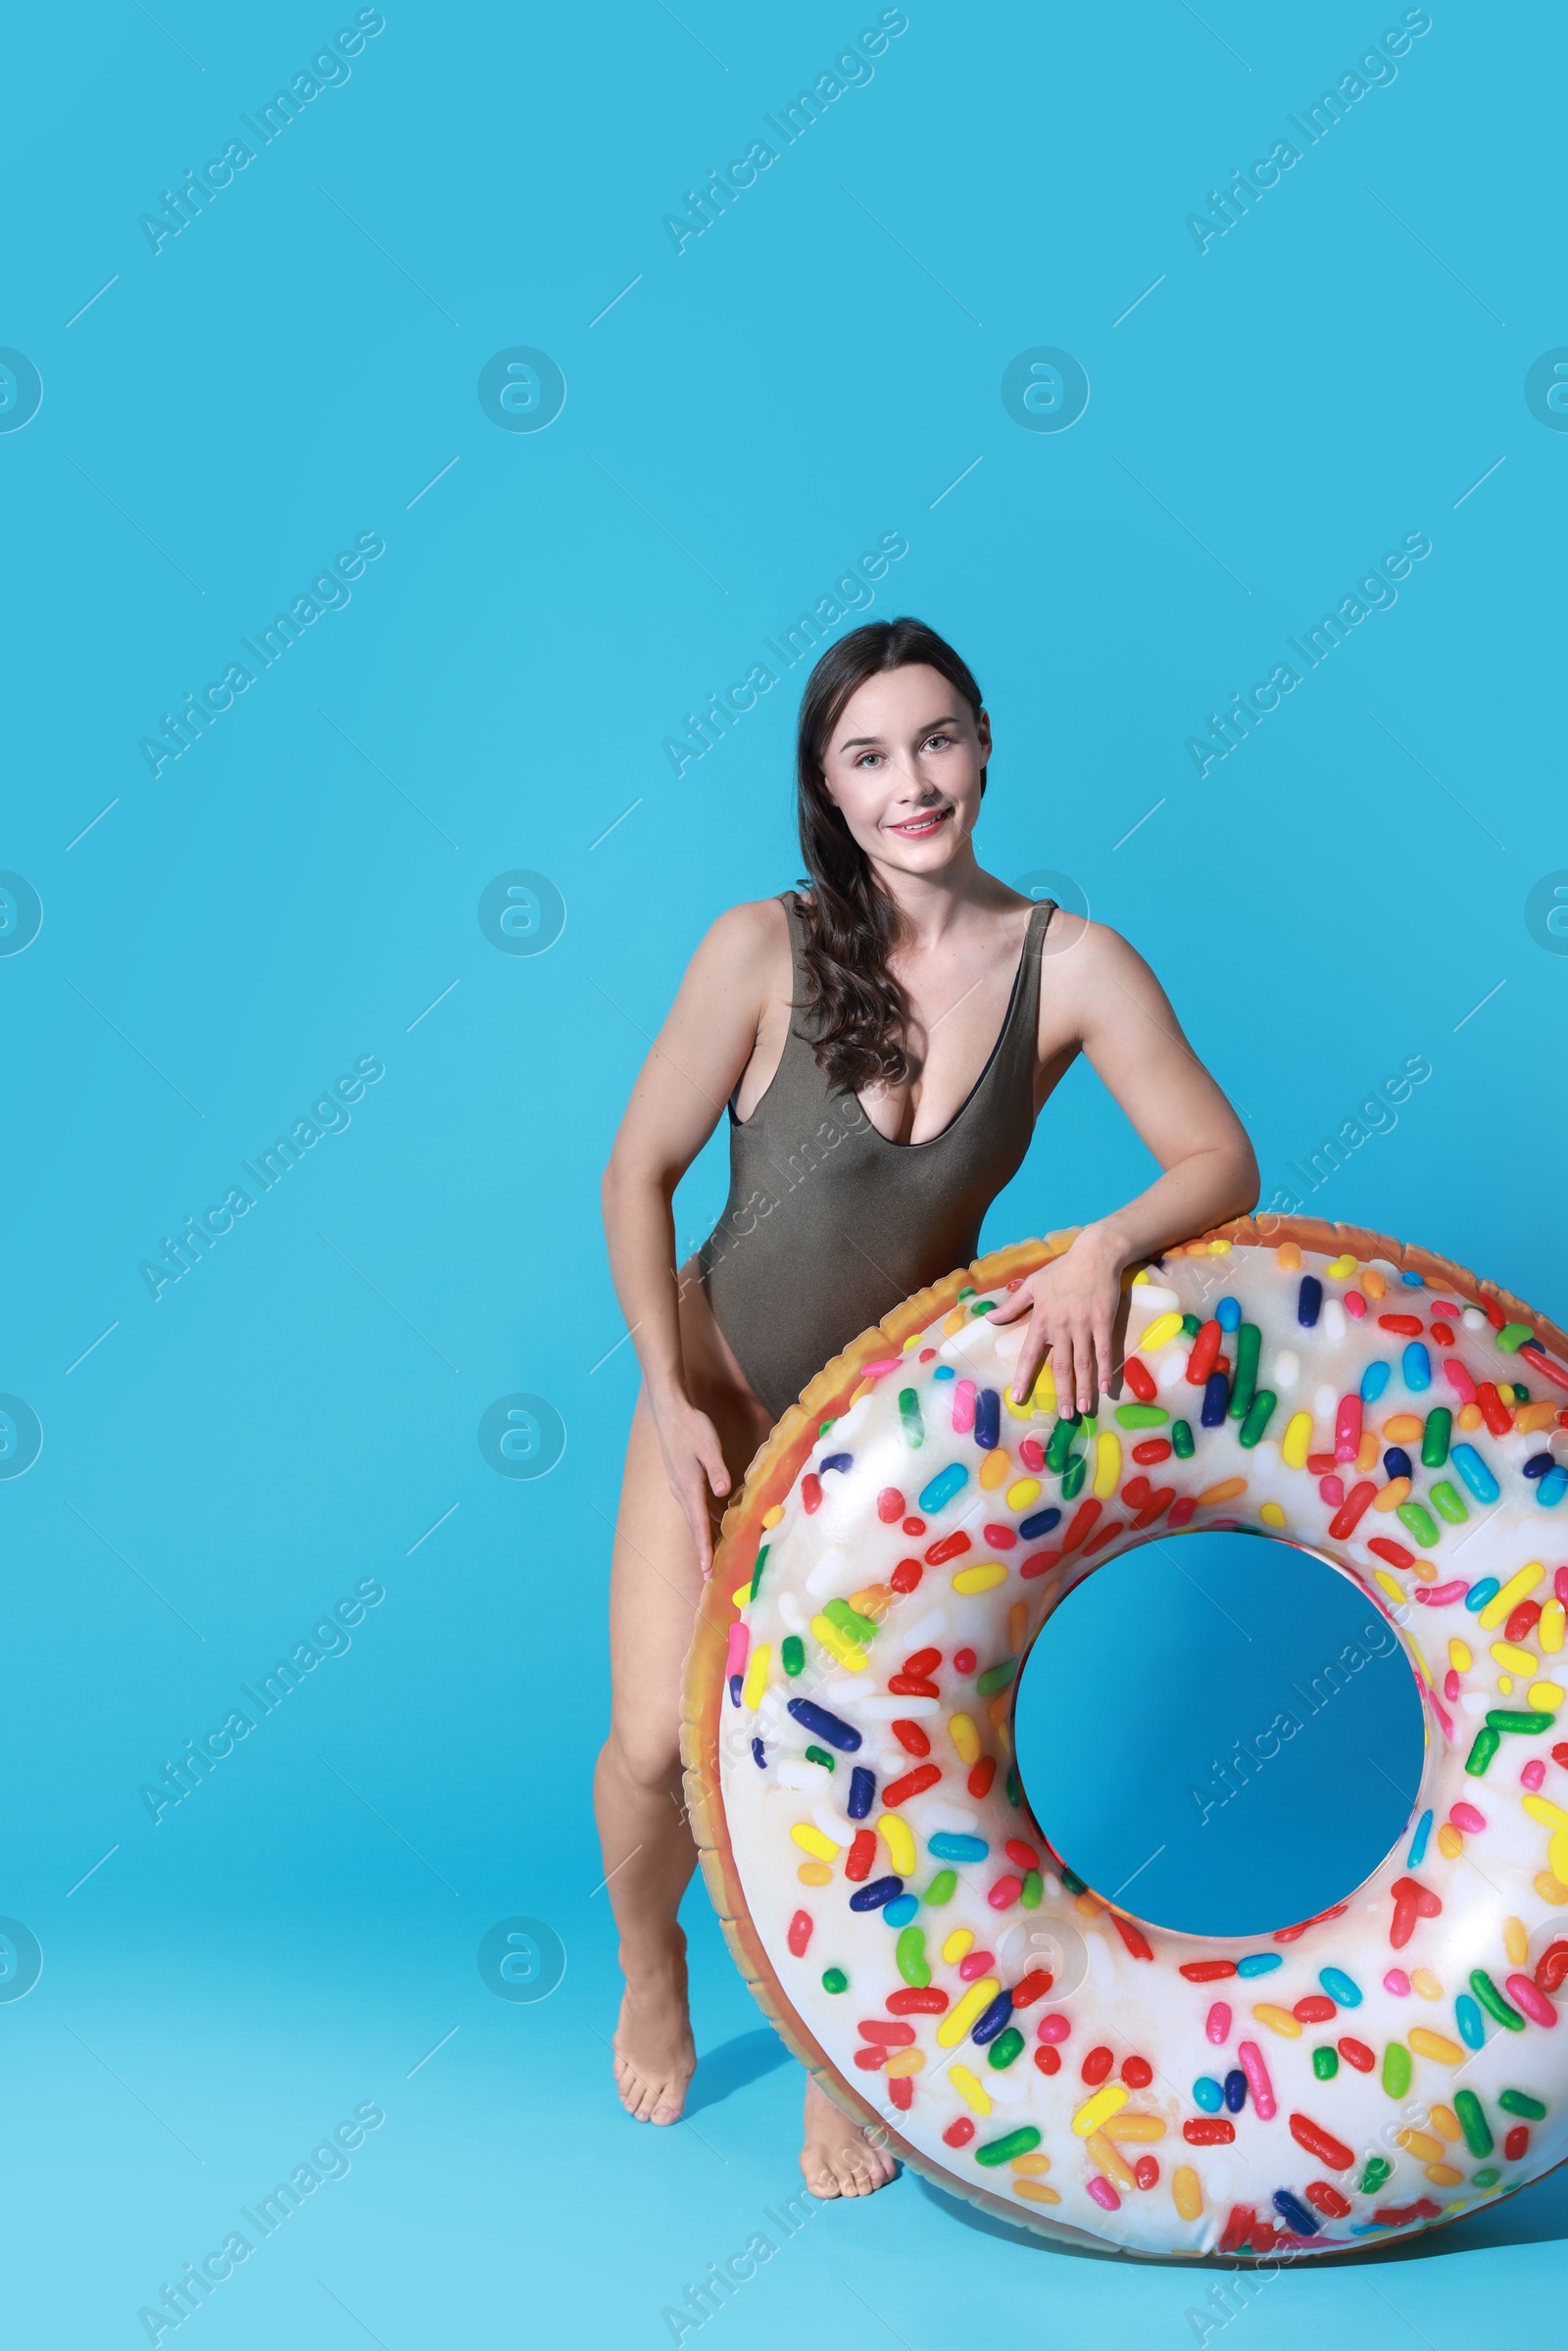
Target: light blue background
[
  {"x": 299, "y": 889},
  {"x": 1232, "y": 1631}
]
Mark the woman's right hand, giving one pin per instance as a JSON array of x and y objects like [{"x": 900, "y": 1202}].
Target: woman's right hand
[{"x": 694, "y": 1463}]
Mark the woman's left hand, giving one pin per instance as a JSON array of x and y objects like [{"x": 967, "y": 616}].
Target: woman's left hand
[{"x": 1072, "y": 1305}]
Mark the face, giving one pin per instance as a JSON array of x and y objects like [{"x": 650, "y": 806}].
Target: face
[{"x": 904, "y": 765}]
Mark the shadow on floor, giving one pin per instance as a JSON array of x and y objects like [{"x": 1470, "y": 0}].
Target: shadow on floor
[{"x": 735, "y": 2065}]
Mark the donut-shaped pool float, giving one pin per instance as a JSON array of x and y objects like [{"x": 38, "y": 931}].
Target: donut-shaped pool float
[{"x": 900, "y": 1539}]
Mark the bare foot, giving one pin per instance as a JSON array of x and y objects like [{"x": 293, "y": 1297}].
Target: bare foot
[
  {"x": 838, "y": 2159},
  {"x": 654, "y": 2054}
]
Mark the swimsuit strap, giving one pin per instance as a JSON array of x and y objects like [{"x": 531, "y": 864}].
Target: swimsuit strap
[
  {"x": 828, "y": 1223},
  {"x": 1023, "y": 1009},
  {"x": 1012, "y": 1060}
]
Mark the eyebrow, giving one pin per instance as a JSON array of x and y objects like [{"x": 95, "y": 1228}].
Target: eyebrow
[{"x": 860, "y": 742}]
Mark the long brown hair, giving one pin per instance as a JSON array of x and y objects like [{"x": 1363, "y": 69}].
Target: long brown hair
[{"x": 852, "y": 925}]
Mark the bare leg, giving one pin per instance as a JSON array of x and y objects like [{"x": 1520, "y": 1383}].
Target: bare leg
[
  {"x": 638, "y": 1799},
  {"x": 648, "y": 1850}
]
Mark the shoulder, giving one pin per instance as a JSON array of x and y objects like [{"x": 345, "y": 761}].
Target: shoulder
[
  {"x": 1093, "y": 974},
  {"x": 1092, "y": 946},
  {"x": 749, "y": 944}
]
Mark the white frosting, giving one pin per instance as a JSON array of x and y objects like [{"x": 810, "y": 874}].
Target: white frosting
[{"x": 1111, "y": 1997}]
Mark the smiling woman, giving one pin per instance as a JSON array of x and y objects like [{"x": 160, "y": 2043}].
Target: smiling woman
[{"x": 887, "y": 1033}]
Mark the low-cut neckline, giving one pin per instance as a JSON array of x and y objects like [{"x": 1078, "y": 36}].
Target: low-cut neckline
[{"x": 941, "y": 1135}]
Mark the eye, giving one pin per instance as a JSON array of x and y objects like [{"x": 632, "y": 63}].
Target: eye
[
  {"x": 868, "y": 759},
  {"x": 937, "y": 738}
]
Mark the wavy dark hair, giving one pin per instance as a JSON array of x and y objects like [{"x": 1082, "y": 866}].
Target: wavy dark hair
[{"x": 852, "y": 925}]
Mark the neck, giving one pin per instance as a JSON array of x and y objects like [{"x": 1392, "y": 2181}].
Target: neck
[{"x": 931, "y": 905}]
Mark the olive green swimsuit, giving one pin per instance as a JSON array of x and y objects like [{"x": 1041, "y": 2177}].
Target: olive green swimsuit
[{"x": 829, "y": 1224}]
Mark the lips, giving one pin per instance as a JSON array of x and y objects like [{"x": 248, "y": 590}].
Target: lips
[{"x": 919, "y": 828}]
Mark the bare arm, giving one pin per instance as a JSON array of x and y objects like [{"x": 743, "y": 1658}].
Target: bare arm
[
  {"x": 1097, "y": 993},
  {"x": 695, "y": 1063}
]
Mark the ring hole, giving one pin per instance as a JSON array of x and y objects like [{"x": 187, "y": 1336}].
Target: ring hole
[{"x": 1155, "y": 1738}]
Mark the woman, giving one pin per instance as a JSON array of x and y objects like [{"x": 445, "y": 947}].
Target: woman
[{"x": 848, "y": 1029}]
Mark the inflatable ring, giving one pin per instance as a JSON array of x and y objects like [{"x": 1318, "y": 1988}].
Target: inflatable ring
[{"x": 1015, "y": 2036}]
